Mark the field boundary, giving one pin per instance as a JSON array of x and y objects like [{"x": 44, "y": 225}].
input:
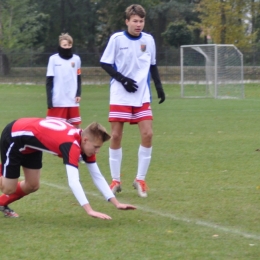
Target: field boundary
[{"x": 97, "y": 76}]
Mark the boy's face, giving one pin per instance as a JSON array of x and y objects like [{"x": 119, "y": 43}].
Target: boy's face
[
  {"x": 135, "y": 25},
  {"x": 65, "y": 44},
  {"x": 90, "y": 146}
]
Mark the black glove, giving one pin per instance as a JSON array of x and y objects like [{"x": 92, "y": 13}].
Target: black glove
[
  {"x": 129, "y": 84},
  {"x": 160, "y": 94}
]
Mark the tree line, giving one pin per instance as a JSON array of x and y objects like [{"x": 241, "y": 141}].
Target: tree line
[{"x": 36, "y": 24}]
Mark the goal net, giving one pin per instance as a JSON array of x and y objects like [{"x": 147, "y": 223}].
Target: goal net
[{"x": 212, "y": 70}]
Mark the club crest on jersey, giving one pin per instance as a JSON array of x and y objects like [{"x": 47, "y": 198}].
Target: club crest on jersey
[
  {"x": 72, "y": 64},
  {"x": 143, "y": 47}
]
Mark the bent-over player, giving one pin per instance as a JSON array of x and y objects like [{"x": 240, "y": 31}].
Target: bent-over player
[{"x": 22, "y": 143}]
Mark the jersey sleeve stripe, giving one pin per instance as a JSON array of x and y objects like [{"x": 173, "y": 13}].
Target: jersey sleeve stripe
[{"x": 21, "y": 133}]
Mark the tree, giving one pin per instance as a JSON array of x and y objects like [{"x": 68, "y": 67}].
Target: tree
[
  {"x": 111, "y": 16},
  {"x": 226, "y": 21},
  {"x": 177, "y": 34},
  {"x": 168, "y": 12},
  {"x": 255, "y": 20},
  {"x": 76, "y": 17},
  {"x": 22, "y": 26}
]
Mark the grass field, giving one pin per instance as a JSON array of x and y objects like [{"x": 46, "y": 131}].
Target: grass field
[{"x": 204, "y": 180}]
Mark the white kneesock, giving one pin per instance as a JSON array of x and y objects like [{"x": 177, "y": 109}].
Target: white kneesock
[
  {"x": 115, "y": 159},
  {"x": 144, "y": 158}
]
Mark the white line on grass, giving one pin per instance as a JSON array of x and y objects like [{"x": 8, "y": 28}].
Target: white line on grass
[
  {"x": 174, "y": 217},
  {"x": 201, "y": 223}
]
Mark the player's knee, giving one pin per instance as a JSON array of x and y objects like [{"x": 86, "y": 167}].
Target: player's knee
[
  {"x": 147, "y": 135},
  {"x": 116, "y": 137},
  {"x": 29, "y": 188},
  {"x": 35, "y": 187}
]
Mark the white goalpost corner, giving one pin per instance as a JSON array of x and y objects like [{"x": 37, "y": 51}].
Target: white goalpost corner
[{"x": 212, "y": 71}]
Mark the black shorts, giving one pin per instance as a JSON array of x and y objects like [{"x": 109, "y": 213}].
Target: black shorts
[{"x": 12, "y": 159}]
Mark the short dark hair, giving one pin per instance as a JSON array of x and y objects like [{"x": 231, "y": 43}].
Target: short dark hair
[{"x": 134, "y": 10}]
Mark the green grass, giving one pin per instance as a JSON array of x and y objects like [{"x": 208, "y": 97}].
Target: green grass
[
  {"x": 204, "y": 181},
  {"x": 224, "y": 91}
]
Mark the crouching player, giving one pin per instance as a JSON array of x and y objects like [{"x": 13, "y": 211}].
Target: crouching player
[{"x": 22, "y": 143}]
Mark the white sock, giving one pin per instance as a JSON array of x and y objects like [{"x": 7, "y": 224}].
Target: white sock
[
  {"x": 144, "y": 158},
  {"x": 115, "y": 159}
]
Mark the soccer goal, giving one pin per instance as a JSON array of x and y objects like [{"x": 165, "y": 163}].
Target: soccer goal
[{"x": 212, "y": 70}]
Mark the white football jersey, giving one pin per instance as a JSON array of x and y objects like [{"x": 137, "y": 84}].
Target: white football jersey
[
  {"x": 65, "y": 84},
  {"x": 131, "y": 57}
]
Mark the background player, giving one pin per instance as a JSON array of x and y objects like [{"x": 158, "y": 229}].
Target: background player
[
  {"x": 22, "y": 143},
  {"x": 63, "y": 83},
  {"x": 129, "y": 58}
]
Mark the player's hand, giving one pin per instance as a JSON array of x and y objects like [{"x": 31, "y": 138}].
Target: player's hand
[
  {"x": 129, "y": 84},
  {"x": 125, "y": 206},
  {"x": 160, "y": 94},
  {"x": 77, "y": 99},
  {"x": 96, "y": 214}
]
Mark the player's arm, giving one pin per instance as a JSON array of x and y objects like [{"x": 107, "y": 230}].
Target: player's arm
[
  {"x": 74, "y": 183},
  {"x": 78, "y": 93},
  {"x": 49, "y": 89},
  {"x": 157, "y": 82},
  {"x": 128, "y": 84},
  {"x": 106, "y": 61},
  {"x": 49, "y": 81},
  {"x": 104, "y": 188}
]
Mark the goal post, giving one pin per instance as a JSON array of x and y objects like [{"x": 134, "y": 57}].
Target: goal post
[{"x": 212, "y": 71}]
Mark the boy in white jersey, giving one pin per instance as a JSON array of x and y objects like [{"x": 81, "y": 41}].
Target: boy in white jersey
[
  {"x": 129, "y": 58},
  {"x": 63, "y": 83}
]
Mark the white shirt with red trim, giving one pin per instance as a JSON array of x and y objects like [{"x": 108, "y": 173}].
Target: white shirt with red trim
[
  {"x": 131, "y": 57},
  {"x": 65, "y": 82}
]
